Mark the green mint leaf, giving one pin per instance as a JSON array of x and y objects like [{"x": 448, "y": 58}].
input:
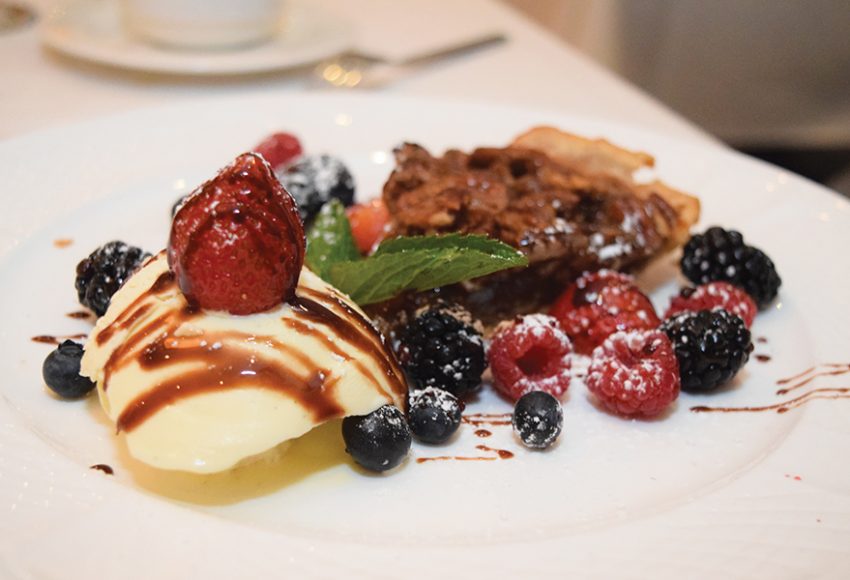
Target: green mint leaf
[
  {"x": 421, "y": 263},
  {"x": 329, "y": 241},
  {"x": 477, "y": 242}
]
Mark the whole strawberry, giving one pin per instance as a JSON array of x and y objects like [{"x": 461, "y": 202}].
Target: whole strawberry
[{"x": 237, "y": 243}]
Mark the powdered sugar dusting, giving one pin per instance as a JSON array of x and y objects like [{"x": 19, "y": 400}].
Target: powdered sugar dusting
[
  {"x": 713, "y": 296},
  {"x": 538, "y": 325},
  {"x": 634, "y": 373}
]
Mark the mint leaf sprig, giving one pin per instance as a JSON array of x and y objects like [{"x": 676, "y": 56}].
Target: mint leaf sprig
[
  {"x": 404, "y": 263},
  {"x": 329, "y": 241}
]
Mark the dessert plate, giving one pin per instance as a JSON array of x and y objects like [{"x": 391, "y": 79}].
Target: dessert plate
[
  {"x": 92, "y": 30},
  {"x": 743, "y": 493}
]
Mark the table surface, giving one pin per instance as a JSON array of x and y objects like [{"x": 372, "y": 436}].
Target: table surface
[{"x": 42, "y": 89}]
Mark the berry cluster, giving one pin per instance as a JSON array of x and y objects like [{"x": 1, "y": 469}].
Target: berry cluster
[
  {"x": 722, "y": 255},
  {"x": 312, "y": 180},
  {"x": 638, "y": 364},
  {"x": 709, "y": 324},
  {"x": 237, "y": 245}
]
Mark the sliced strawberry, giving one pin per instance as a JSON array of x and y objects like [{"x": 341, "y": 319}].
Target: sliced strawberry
[
  {"x": 279, "y": 149},
  {"x": 237, "y": 243},
  {"x": 368, "y": 222}
]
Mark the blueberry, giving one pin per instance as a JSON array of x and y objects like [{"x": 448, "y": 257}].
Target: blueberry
[
  {"x": 434, "y": 415},
  {"x": 538, "y": 419},
  {"x": 316, "y": 179},
  {"x": 378, "y": 441},
  {"x": 61, "y": 371}
]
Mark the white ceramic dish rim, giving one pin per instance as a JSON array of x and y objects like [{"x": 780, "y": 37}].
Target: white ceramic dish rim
[{"x": 88, "y": 531}]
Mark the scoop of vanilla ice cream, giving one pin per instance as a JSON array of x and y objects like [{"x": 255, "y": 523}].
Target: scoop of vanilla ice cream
[{"x": 202, "y": 391}]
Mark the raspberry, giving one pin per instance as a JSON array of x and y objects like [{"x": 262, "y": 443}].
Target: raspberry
[
  {"x": 714, "y": 295},
  {"x": 104, "y": 271},
  {"x": 586, "y": 290},
  {"x": 438, "y": 348},
  {"x": 719, "y": 254},
  {"x": 279, "y": 149},
  {"x": 237, "y": 244},
  {"x": 599, "y": 304},
  {"x": 532, "y": 354},
  {"x": 711, "y": 347},
  {"x": 634, "y": 373}
]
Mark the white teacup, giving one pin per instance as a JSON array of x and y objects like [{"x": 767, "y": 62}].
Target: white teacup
[{"x": 203, "y": 23}]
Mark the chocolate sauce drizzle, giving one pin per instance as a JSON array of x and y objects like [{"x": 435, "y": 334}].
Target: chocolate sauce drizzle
[
  {"x": 221, "y": 363},
  {"x": 58, "y": 339},
  {"x": 80, "y": 315},
  {"x": 484, "y": 419},
  {"x": 477, "y": 420},
  {"x": 784, "y": 406},
  {"x": 103, "y": 467},
  {"x": 795, "y": 382},
  {"x": 810, "y": 374},
  {"x": 497, "y": 455}
]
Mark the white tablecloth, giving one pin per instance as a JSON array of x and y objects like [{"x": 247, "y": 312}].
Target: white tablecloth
[{"x": 40, "y": 88}]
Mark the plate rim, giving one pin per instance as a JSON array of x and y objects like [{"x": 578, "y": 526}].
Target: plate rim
[{"x": 559, "y": 116}]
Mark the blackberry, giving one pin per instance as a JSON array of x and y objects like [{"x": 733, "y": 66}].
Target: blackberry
[
  {"x": 721, "y": 255},
  {"x": 378, "y": 441},
  {"x": 316, "y": 179},
  {"x": 103, "y": 272},
  {"x": 711, "y": 347},
  {"x": 61, "y": 371},
  {"x": 439, "y": 349},
  {"x": 434, "y": 415},
  {"x": 538, "y": 419}
]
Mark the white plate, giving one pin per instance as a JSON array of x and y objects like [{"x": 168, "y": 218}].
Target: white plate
[
  {"x": 92, "y": 30},
  {"x": 690, "y": 495}
]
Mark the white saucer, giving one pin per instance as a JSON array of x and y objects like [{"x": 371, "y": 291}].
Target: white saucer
[{"x": 92, "y": 30}]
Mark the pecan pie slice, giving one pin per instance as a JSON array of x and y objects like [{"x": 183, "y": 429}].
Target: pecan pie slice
[{"x": 569, "y": 204}]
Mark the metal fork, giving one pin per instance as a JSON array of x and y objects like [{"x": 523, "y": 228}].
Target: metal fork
[{"x": 359, "y": 70}]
